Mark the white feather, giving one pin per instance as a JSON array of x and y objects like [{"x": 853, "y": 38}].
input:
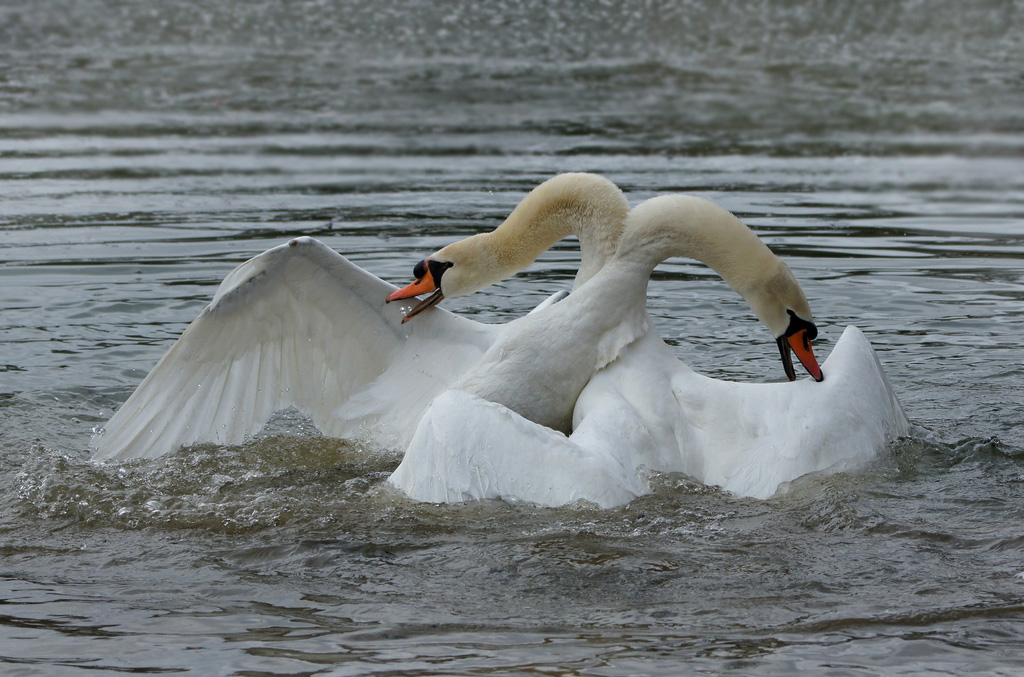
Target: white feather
[
  {"x": 648, "y": 411},
  {"x": 297, "y": 326}
]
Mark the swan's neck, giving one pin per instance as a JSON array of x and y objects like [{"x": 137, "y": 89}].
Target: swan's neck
[
  {"x": 680, "y": 225},
  {"x": 585, "y": 205}
]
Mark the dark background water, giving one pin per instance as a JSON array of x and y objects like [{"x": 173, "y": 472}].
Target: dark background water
[{"x": 147, "y": 149}]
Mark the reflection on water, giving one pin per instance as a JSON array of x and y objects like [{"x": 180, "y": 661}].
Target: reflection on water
[{"x": 145, "y": 151}]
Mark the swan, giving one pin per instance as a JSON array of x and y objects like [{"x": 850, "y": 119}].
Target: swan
[
  {"x": 301, "y": 326},
  {"x": 577, "y": 402}
]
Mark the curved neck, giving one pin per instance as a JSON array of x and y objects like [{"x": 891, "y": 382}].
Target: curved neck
[
  {"x": 681, "y": 225},
  {"x": 691, "y": 227},
  {"x": 585, "y": 205}
]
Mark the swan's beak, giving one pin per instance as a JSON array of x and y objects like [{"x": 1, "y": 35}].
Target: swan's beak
[
  {"x": 423, "y": 285},
  {"x": 800, "y": 344}
]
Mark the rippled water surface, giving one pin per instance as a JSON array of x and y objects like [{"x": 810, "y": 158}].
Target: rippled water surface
[{"x": 147, "y": 149}]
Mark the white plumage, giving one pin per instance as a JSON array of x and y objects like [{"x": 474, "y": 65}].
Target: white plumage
[
  {"x": 649, "y": 412},
  {"x": 297, "y": 326},
  {"x": 632, "y": 404}
]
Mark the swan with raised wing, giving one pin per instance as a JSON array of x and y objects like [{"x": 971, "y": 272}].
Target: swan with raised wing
[{"x": 301, "y": 326}]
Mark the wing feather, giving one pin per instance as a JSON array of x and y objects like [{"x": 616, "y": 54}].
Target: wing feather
[{"x": 297, "y": 326}]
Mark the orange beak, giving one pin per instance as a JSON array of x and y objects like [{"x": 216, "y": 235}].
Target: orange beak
[
  {"x": 800, "y": 344},
  {"x": 423, "y": 285}
]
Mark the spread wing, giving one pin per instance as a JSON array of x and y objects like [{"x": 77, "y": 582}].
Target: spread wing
[
  {"x": 297, "y": 326},
  {"x": 748, "y": 438}
]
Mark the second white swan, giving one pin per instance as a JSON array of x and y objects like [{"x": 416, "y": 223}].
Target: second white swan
[{"x": 593, "y": 367}]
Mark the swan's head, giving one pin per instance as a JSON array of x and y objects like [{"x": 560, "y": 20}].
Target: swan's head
[
  {"x": 459, "y": 269},
  {"x": 780, "y": 304},
  {"x": 797, "y": 338},
  {"x": 684, "y": 225},
  {"x": 586, "y": 205}
]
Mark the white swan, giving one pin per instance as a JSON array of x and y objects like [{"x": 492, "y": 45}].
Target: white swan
[
  {"x": 301, "y": 326},
  {"x": 593, "y": 364}
]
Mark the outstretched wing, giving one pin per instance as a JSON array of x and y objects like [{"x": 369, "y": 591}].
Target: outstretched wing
[
  {"x": 297, "y": 326},
  {"x": 748, "y": 438}
]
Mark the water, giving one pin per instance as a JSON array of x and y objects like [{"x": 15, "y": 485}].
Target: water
[{"x": 146, "y": 150}]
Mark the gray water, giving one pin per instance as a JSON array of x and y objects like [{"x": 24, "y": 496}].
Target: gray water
[{"x": 146, "y": 149}]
